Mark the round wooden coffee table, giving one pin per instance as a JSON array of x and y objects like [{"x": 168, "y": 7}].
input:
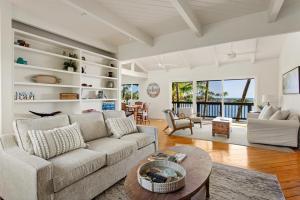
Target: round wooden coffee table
[{"x": 198, "y": 166}]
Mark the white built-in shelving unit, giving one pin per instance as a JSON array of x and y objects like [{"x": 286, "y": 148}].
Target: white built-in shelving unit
[{"x": 46, "y": 57}]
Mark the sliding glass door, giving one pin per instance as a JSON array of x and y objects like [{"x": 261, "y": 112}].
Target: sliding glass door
[
  {"x": 239, "y": 98},
  {"x": 232, "y": 98}
]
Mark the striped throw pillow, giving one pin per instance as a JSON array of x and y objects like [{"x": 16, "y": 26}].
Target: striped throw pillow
[
  {"x": 121, "y": 126},
  {"x": 50, "y": 143}
]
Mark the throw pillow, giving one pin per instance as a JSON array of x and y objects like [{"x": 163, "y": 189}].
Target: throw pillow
[
  {"x": 50, "y": 143},
  {"x": 121, "y": 126},
  {"x": 268, "y": 112},
  {"x": 280, "y": 115},
  {"x": 293, "y": 116},
  {"x": 262, "y": 112}
]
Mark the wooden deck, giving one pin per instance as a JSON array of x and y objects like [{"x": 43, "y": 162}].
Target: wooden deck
[{"x": 286, "y": 166}]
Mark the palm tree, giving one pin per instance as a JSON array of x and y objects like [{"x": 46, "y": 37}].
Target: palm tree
[{"x": 239, "y": 112}]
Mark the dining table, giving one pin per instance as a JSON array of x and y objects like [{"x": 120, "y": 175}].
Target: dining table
[{"x": 135, "y": 109}]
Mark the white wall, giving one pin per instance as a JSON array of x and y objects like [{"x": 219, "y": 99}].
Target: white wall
[
  {"x": 6, "y": 66},
  {"x": 265, "y": 73},
  {"x": 289, "y": 59}
]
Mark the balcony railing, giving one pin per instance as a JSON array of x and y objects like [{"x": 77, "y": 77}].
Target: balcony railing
[{"x": 214, "y": 109}]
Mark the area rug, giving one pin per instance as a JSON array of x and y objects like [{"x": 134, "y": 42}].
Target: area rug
[
  {"x": 226, "y": 183},
  {"x": 237, "y": 136}
]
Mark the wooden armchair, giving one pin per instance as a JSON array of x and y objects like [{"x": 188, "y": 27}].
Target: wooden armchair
[{"x": 176, "y": 123}]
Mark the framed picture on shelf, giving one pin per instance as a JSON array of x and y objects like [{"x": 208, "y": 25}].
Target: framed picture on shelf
[{"x": 291, "y": 81}]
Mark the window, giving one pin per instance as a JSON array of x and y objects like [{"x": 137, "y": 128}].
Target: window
[
  {"x": 182, "y": 91},
  {"x": 130, "y": 91},
  {"x": 182, "y": 95},
  {"x": 209, "y": 98},
  {"x": 232, "y": 98}
]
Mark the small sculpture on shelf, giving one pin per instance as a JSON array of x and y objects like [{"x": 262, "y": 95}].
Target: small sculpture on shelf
[
  {"x": 73, "y": 55},
  {"x": 22, "y": 61},
  {"x": 100, "y": 94},
  {"x": 86, "y": 85},
  {"x": 83, "y": 69},
  {"x": 24, "y": 96},
  {"x": 83, "y": 58},
  {"x": 110, "y": 84},
  {"x": 110, "y": 74},
  {"x": 70, "y": 65},
  {"x": 22, "y": 43}
]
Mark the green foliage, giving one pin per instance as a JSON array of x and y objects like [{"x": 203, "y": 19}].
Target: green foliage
[
  {"x": 182, "y": 91},
  {"x": 70, "y": 63}
]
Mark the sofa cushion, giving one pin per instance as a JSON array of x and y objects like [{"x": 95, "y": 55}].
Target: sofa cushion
[
  {"x": 113, "y": 114},
  {"x": 280, "y": 115},
  {"x": 115, "y": 149},
  {"x": 141, "y": 139},
  {"x": 121, "y": 126},
  {"x": 75, "y": 165},
  {"x": 22, "y": 126},
  {"x": 51, "y": 143},
  {"x": 92, "y": 125}
]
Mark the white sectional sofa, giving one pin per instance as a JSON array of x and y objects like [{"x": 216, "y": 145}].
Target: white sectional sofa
[{"x": 79, "y": 174}]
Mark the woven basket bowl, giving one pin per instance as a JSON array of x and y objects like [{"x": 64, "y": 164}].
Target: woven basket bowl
[{"x": 161, "y": 187}]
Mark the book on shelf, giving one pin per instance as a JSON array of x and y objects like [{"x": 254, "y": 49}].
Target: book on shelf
[{"x": 168, "y": 155}]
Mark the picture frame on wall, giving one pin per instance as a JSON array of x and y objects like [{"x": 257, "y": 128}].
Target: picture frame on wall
[{"x": 291, "y": 81}]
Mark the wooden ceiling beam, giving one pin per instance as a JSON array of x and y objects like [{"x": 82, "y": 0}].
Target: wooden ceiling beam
[
  {"x": 95, "y": 10},
  {"x": 188, "y": 15},
  {"x": 274, "y": 10}
]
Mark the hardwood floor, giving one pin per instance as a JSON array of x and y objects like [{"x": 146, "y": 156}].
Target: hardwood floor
[{"x": 286, "y": 166}]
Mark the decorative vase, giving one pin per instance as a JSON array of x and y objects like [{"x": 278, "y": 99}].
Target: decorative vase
[
  {"x": 110, "y": 84},
  {"x": 110, "y": 74},
  {"x": 70, "y": 69}
]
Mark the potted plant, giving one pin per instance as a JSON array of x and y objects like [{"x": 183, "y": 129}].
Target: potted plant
[{"x": 70, "y": 65}]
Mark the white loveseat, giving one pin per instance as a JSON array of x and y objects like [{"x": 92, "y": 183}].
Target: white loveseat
[
  {"x": 79, "y": 174},
  {"x": 273, "y": 132}
]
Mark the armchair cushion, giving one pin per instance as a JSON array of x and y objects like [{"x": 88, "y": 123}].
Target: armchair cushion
[
  {"x": 75, "y": 165},
  {"x": 141, "y": 139},
  {"x": 182, "y": 123},
  {"x": 280, "y": 115}
]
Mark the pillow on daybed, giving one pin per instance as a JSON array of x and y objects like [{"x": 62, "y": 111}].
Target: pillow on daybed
[
  {"x": 50, "y": 143},
  {"x": 267, "y": 112},
  {"x": 280, "y": 115},
  {"x": 121, "y": 126}
]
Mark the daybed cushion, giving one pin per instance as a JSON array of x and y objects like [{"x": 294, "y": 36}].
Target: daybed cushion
[
  {"x": 115, "y": 149},
  {"x": 92, "y": 125},
  {"x": 141, "y": 139},
  {"x": 182, "y": 123},
  {"x": 280, "y": 115},
  {"x": 51, "y": 143},
  {"x": 22, "y": 126},
  {"x": 121, "y": 126},
  {"x": 75, "y": 165}
]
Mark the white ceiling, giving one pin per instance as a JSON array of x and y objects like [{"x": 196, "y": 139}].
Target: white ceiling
[
  {"x": 252, "y": 50},
  {"x": 152, "y": 17}
]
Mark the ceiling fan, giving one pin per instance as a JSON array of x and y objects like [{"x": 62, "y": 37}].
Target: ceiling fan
[
  {"x": 233, "y": 54},
  {"x": 163, "y": 65}
]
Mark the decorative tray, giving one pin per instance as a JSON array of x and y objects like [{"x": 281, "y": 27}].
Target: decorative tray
[{"x": 161, "y": 176}]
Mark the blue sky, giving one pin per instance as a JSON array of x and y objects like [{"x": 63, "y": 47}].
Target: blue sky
[{"x": 233, "y": 87}]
